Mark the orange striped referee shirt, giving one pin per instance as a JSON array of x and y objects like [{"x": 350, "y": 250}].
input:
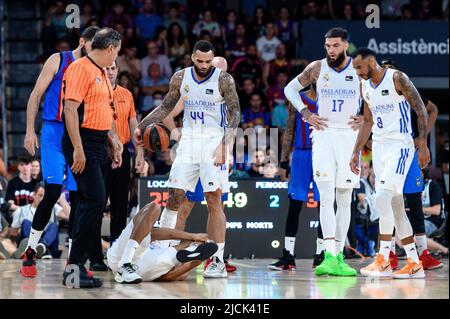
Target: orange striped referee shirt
[
  {"x": 124, "y": 103},
  {"x": 86, "y": 82}
]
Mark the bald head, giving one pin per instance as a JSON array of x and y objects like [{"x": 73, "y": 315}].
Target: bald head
[{"x": 220, "y": 63}]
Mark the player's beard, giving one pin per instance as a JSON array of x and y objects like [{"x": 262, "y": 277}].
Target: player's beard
[
  {"x": 336, "y": 63},
  {"x": 201, "y": 73}
]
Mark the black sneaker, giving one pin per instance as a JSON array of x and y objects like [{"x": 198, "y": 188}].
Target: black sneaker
[
  {"x": 98, "y": 266},
  {"x": 286, "y": 262},
  {"x": 70, "y": 280},
  {"x": 197, "y": 252},
  {"x": 318, "y": 258}
]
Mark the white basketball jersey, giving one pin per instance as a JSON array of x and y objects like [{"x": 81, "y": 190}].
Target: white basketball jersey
[
  {"x": 390, "y": 111},
  {"x": 205, "y": 112},
  {"x": 338, "y": 95}
]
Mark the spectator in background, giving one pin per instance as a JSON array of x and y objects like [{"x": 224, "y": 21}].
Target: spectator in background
[
  {"x": 206, "y": 23},
  {"x": 125, "y": 80},
  {"x": 163, "y": 163},
  {"x": 156, "y": 100},
  {"x": 407, "y": 12},
  {"x": 128, "y": 62},
  {"x": 23, "y": 219},
  {"x": 152, "y": 83},
  {"x": 258, "y": 22},
  {"x": 347, "y": 14},
  {"x": 257, "y": 165},
  {"x": 88, "y": 12},
  {"x": 184, "y": 62},
  {"x": 173, "y": 17},
  {"x": 146, "y": 22},
  {"x": 154, "y": 57},
  {"x": 236, "y": 46},
  {"x": 20, "y": 188},
  {"x": 247, "y": 67},
  {"x": 268, "y": 43},
  {"x": 62, "y": 45},
  {"x": 117, "y": 15},
  {"x": 286, "y": 30},
  {"x": 392, "y": 8},
  {"x": 36, "y": 173},
  {"x": 275, "y": 94},
  {"x": 94, "y": 22},
  {"x": 270, "y": 170},
  {"x": 233, "y": 172},
  {"x": 311, "y": 11},
  {"x": 241, "y": 156},
  {"x": 256, "y": 116},
  {"x": 56, "y": 19},
  {"x": 280, "y": 115},
  {"x": 248, "y": 88},
  {"x": 178, "y": 43},
  {"x": 161, "y": 40},
  {"x": 424, "y": 11},
  {"x": 228, "y": 29}
]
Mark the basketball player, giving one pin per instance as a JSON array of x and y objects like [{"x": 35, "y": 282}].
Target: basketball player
[
  {"x": 54, "y": 166},
  {"x": 301, "y": 176},
  {"x": 211, "y": 116},
  {"x": 388, "y": 95},
  {"x": 412, "y": 191},
  {"x": 152, "y": 261},
  {"x": 337, "y": 88},
  {"x": 198, "y": 195}
]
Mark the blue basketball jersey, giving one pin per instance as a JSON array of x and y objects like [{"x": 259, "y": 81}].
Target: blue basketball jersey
[
  {"x": 302, "y": 132},
  {"x": 51, "y": 111}
]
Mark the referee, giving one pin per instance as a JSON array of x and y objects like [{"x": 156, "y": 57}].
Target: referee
[
  {"x": 89, "y": 111},
  {"x": 118, "y": 180}
]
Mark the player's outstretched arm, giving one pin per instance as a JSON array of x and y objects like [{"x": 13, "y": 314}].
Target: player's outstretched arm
[
  {"x": 167, "y": 105},
  {"x": 43, "y": 81},
  {"x": 405, "y": 87}
]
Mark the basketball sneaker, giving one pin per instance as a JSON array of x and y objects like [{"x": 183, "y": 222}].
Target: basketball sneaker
[
  {"x": 410, "y": 271},
  {"x": 379, "y": 268},
  {"x": 228, "y": 266},
  {"x": 318, "y": 258},
  {"x": 428, "y": 262},
  {"x": 393, "y": 260},
  {"x": 197, "y": 252},
  {"x": 82, "y": 281},
  {"x": 215, "y": 269},
  {"x": 126, "y": 274},
  {"x": 29, "y": 264},
  {"x": 41, "y": 249},
  {"x": 285, "y": 262},
  {"x": 329, "y": 266},
  {"x": 344, "y": 268}
]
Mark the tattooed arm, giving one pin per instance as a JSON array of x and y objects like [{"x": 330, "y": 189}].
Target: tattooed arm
[
  {"x": 309, "y": 76},
  {"x": 405, "y": 87},
  {"x": 167, "y": 105},
  {"x": 227, "y": 88},
  {"x": 287, "y": 144}
]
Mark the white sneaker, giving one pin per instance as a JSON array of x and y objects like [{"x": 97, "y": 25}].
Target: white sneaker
[
  {"x": 216, "y": 269},
  {"x": 126, "y": 274},
  {"x": 40, "y": 250}
]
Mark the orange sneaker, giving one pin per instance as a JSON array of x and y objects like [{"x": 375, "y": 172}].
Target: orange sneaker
[
  {"x": 428, "y": 262},
  {"x": 393, "y": 259},
  {"x": 379, "y": 268},
  {"x": 410, "y": 271}
]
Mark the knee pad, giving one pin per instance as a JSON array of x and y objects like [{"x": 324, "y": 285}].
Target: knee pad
[{"x": 402, "y": 223}]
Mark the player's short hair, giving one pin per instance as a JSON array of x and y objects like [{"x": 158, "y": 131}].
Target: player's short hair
[
  {"x": 89, "y": 33},
  {"x": 106, "y": 37},
  {"x": 364, "y": 53},
  {"x": 204, "y": 46},
  {"x": 388, "y": 61},
  {"x": 337, "y": 33}
]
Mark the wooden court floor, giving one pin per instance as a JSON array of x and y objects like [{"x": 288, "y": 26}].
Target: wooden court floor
[{"x": 252, "y": 280}]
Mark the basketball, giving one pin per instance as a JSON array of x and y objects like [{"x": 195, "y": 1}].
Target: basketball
[{"x": 156, "y": 138}]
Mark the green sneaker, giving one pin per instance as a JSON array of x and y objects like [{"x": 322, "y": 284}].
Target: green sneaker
[
  {"x": 329, "y": 266},
  {"x": 344, "y": 269}
]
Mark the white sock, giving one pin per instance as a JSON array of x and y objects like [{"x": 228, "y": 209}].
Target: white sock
[
  {"x": 385, "y": 248},
  {"x": 319, "y": 246},
  {"x": 330, "y": 246},
  {"x": 168, "y": 218},
  {"x": 70, "y": 248},
  {"x": 339, "y": 246},
  {"x": 411, "y": 252},
  {"x": 35, "y": 236},
  {"x": 421, "y": 242},
  {"x": 289, "y": 244},
  {"x": 174, "y": 242},
  {"x": 393, "y": 244},
  {"x": 219, "y": 252},
  {"x": 129, "y": 251}
]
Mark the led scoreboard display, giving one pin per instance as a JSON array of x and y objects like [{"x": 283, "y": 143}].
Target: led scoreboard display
[{"x": 256, "y": 211}]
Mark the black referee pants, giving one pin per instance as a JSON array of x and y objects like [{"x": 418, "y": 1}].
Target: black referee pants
[
  {"x": 91, "y": 191},
  {"x": 117, "y": 184}
]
